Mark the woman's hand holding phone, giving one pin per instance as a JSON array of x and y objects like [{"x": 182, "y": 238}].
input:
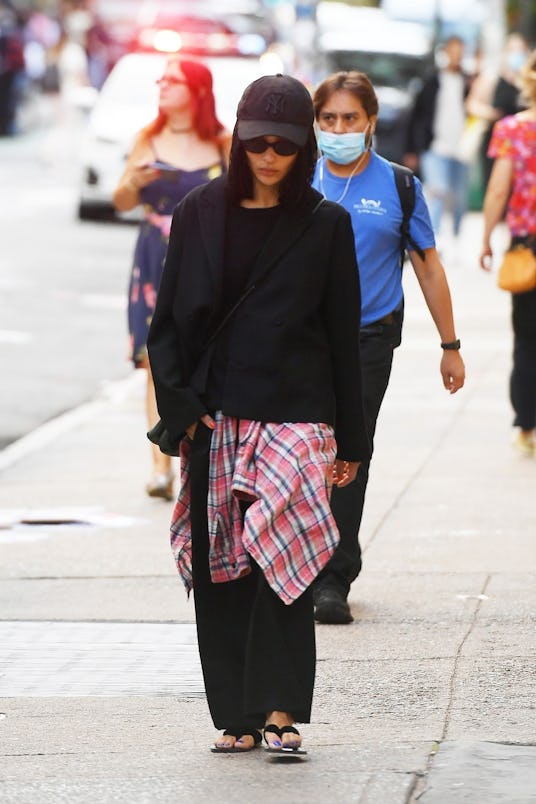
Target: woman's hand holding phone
[
  {"x": 163, "y": 167},
  {"x": 143, "y": 174}
]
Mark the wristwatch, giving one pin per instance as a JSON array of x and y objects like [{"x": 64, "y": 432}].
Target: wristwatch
[{"x": 453, "y": 345}]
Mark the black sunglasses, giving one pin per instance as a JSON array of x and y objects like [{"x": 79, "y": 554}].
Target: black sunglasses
[{"x": 258, "y": 145}]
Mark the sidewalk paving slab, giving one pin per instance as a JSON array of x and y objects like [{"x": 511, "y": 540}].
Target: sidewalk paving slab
[
  {"x": 503, "y": 774},
  {"x": 101, "y": 695}
]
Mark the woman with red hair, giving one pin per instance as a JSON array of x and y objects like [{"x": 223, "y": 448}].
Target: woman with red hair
[{"x": 185, "y": 146}]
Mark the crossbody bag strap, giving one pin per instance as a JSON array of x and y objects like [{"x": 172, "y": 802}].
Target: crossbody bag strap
[{"x": 249, "y": 290}]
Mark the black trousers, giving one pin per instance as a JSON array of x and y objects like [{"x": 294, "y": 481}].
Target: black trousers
[
  {"x": 257, "y": 654},
  {"x": 7, "y": 102},
  {"x": 523, "y": 376},
  {"x": 378, "y": 342}
]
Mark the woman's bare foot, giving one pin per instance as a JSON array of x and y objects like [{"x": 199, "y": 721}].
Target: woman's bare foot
[
  {"x": 239, "y": 742},
  {"x": 287, "y": 739}
]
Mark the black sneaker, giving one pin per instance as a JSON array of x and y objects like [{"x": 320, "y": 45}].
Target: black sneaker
[{"x": 331, "y": 607}]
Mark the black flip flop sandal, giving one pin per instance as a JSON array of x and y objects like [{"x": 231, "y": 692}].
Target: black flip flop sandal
[
  {"x": 257, "y": 737},
  {"x": 282, "y": 750}
]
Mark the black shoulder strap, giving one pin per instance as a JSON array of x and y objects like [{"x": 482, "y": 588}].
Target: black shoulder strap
[
  {"x": 296, "y": 235},
  {"x": 405, "y": 186}
]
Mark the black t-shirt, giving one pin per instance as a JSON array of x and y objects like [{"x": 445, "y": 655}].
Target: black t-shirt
[{"x": 246, "y": 232}]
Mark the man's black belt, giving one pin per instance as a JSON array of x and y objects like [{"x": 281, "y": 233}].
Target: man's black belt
[{"x": 387, "y": 319}]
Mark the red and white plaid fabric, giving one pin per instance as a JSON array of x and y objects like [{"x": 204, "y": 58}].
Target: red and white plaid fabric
[{"x": 285, "y": 470}]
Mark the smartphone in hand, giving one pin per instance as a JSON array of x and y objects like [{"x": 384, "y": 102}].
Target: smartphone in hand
[{"x": 163, "y": 166}]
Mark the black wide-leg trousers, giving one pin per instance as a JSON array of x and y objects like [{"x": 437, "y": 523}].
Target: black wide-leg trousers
[
  {"x": 523, "y": 376},
  {"x": 378, "y": 343},
  {"x": 257, "y": 654}
]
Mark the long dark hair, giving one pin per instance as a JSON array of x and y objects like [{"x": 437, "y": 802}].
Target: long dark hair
[{"x": 295, "y": 187}]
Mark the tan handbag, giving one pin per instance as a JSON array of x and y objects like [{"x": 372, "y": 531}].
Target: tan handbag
[{"x": 517, "y": 273}]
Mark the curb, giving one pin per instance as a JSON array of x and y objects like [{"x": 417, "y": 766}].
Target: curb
[{"x": 113, "y": 393}]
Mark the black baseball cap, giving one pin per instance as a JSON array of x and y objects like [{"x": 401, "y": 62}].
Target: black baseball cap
[{"x": 275, "y": 105}]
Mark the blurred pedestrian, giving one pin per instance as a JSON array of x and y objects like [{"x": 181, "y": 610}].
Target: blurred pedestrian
[
  {"x": 512, "y": 186},
  {"x": 185, "y": 146},
  {"x": 11, "y": 67},
  {"x": 100, "y": 48},
  {"x": 42, "y": 35},
  {"x": 272, "y": 409},
  {"x": 351, "y": 173},
  {"x": 493, "y": 96},
  {"x": 435, "y": 130}
]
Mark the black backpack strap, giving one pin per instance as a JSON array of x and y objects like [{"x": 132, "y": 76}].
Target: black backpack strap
[{"x": 405, "y": 186}]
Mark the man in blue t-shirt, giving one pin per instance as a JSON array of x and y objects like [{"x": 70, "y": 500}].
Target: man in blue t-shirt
[
  {"x": 372, "y": 200},
  {"x": 351, "y": 174}
]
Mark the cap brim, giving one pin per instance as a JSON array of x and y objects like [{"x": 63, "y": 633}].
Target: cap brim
[{"x": 249, "y": 129}]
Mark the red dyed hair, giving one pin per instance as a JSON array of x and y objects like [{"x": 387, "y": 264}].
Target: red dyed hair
[{"x": 204, "y": 119}]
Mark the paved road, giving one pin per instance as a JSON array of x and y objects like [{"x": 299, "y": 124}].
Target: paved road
[{"x": 62, "y": 282}]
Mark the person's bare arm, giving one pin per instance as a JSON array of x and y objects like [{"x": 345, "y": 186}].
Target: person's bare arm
[
  {"x": 495, "y": 200},
  {"x": 433, "y": 282},
  {"x": 478, "y": 102},
  {"x": 137, "y": 174}
]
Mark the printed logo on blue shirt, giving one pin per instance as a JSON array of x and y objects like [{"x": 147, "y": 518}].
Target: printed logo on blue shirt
[{"x": 370, "y": 206}]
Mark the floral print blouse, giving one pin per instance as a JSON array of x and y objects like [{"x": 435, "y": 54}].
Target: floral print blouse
[{"x": 515, "y": 139}]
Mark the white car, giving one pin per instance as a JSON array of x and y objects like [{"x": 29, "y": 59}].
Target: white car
[
  {"x": 397, "y": 57},
  {"x": 128, "y": 100}
]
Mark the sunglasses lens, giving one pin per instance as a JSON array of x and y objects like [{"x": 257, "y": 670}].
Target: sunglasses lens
[
  {"x": 259, "y": 145},
  {"x": 285, "y": 148},
  {"x": 256, "y": 146}
]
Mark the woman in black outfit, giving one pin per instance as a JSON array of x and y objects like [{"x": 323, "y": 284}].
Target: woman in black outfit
[{"x": 254, "y": 348}]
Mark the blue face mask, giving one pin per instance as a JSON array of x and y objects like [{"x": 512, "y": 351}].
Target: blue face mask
[
  {"x": 516, "y": 61},
  {"x": 342, "y": 148}
]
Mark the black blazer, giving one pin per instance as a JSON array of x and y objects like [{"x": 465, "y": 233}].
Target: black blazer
[{"x": 293, "y": 345}]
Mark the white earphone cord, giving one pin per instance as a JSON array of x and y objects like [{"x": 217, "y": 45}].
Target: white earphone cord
[{"x": 346, "y": 186}]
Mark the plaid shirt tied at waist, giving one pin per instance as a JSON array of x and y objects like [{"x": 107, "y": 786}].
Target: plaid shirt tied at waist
[{"x": 285, "y": 471}]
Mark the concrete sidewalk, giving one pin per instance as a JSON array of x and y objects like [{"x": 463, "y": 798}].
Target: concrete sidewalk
[{"x": 428, "y": 695}]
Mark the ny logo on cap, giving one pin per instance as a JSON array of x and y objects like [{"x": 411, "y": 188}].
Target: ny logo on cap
[{"x": 275, "y": 103}]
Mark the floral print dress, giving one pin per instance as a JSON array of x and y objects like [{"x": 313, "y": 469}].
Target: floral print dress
[{"x": 159, "y": 199}]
